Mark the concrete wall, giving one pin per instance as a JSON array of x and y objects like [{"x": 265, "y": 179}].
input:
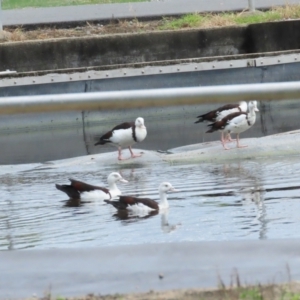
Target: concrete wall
[
  {"x": 144, "y": 47},
  {"x": 260, "y": 74}
]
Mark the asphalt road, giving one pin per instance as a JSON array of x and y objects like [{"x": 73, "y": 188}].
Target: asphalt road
[
  {"x": 104, "y": 12},
  {"x": 136, "y": 268}
]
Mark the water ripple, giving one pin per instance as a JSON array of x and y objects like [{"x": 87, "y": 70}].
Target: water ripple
[{"x": 246, "y": 200}]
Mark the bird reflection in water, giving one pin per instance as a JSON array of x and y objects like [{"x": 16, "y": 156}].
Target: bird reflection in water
[
  {"x": 127, "y": 217},
  {"x": 250, "y": 190},
  {"x": 165, "y": 225},
  {"x": 77, "y": 202},
  {"x": 253, "y": 194},
  {"x": 72, "y": 203}
]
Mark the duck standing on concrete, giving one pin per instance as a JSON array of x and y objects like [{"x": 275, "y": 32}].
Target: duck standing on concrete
[
  {"x": 125, "y": 135},
  {"x": 235, "y": 123},
  {"x": 221, "y": 112},
  {"x": 146, "y": 205},
  {"x": 84, "y": 191}
]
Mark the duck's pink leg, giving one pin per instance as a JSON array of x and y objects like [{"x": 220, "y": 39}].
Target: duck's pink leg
[
  {"x": 132, "y": 154},
  {"x": 238, "y": 142},
  {"x": 223, "y": 141},
  {"x": 229, "y": 138},
  {"x": 120, "y": 154}
]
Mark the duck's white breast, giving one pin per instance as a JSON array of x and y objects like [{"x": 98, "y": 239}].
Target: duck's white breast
[
  {"x": 94, "y": 195},
  {"x": 115, "y": 192},
  {"x": 244, "y": 124},
  {"x": 122, "y": 137},
  {"x": 140, "y": 133},
  {"x": 139, "y": 207},
  {"x": 238, "y": 124}
]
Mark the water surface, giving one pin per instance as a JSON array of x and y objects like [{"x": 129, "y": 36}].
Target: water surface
[
  {"x": 256, "y": 199},
  {"x": 246, "y": 200},
  {"x": 43, "y": 137}
]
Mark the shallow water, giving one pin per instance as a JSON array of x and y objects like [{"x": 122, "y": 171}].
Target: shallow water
[
  {"x": 246, "y": 200},
  {"x": 44, "y": 137}
]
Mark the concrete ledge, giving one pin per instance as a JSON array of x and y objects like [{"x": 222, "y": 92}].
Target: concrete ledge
[
  {"x": 271, "y": 146},
  {"x": 105, "y": 159},
  {"x": 136, "y": 268},
  {"x": 287, "y": 143},
  {"x": 149, "y": 47}
]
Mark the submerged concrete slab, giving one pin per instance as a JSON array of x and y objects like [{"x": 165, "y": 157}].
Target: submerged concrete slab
[
  {"x": 136, "y": 268},
  {"x": 271, "y": 146},
  {"x": 105, "y": 159}
]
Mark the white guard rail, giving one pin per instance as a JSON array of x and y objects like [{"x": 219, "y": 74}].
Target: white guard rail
[
  {"x": 1, "y": 26},
  {"x": 150, "y": 98},
  {"x": 251, "y": 5}
]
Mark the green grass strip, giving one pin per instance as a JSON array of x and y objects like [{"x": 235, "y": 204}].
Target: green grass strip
[{"x": 230, "y": 19}]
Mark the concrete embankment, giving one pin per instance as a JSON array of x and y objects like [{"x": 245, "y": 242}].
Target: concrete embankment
[
  {"x": 148, "y": 47},
  {"x": 136, "y": 268}
]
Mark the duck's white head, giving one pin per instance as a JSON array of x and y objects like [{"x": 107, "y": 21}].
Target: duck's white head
[
  {"x": 243, "y": 106},
  {"x": 139, "y": 122},
  {"x": 166, "y": 187},
  {"x": 115, "y": 177},
  {"x": 253, "y": 105}
]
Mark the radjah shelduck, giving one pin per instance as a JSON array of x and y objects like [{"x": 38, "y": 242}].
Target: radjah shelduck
[
  {"x": 237, "y": 122},
  {"x": 125, "y": 135},
  {"x": 84, "y": 191},
  {"x": 137, "y": 205},
  {"x": 221, "y": 112}
]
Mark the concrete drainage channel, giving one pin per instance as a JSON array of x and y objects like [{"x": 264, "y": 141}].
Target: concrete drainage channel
[{"x": 171, "y": 59}]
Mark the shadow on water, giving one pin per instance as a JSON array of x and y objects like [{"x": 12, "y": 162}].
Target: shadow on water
[
  {"x": 73, "y": 203},
  {"x": 125, "y": 217}
]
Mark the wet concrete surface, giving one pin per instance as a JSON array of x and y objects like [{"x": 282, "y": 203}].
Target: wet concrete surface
[
  {"x": 271, "y": 146},
  {"x": 125, "y": 269},
  {"x": 54, "y": 136},
  {"x": 105, "y": 12},
  {"x": 286, "y": 143}
]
